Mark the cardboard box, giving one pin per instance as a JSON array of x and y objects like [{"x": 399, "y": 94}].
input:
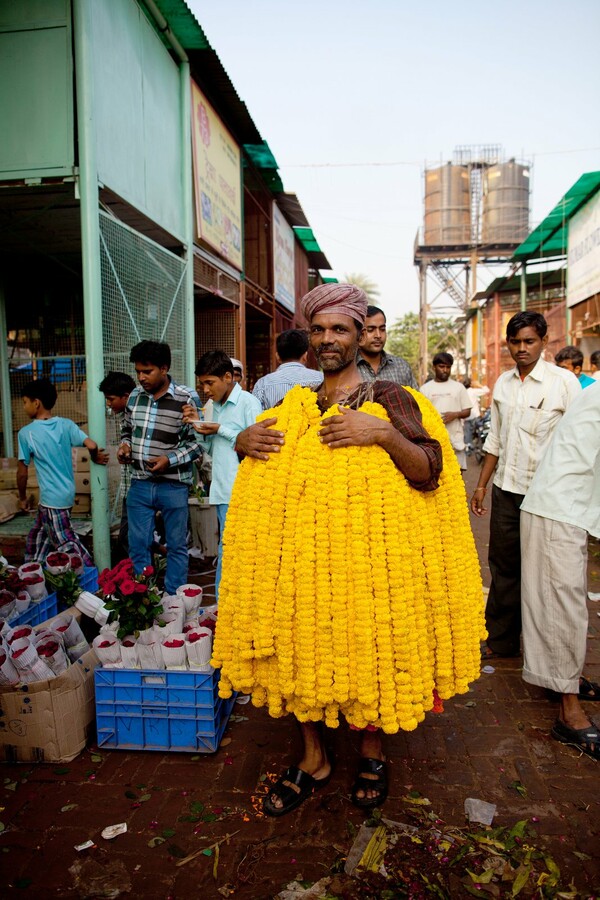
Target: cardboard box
[
  {"x": 9, "y": 505},
  {"x": 81, "y": 459},
  {"x": 49, "y": 721},
  {"x": 8, "y": 475},
  {"x": 82, "y": 504},
  {"x": 83, "y": 483}
]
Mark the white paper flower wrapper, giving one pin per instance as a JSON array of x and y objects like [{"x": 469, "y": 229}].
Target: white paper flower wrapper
[
  {"x": 199, "y": 652},
  {"x": 22, "y": 602},
  {"x": 174, "y": 657},
  {"x": 30, "y": 666},
  {"x": 58, "y": 570},
  {"x": 170, "y": 622},
  {"x": 4, "y": 627},
  {"x": 58, "y": 661},
  {"x": 208, "y": 613},
  {"x": 30, "y": 568},
  {"x": 149, "y": 652},
  {"x": 44, "y": 634},
  {"x": 8, "y": 673},
  {"x": 8, "y": 610},
  {"x": 89, "y": 604},
  {"x": 77, "y": 564},
  {"x": 110, "y": 655},
  {"x": 70, "y": 629},
  {"x": 192, "y": 602},
  {"x": 129, "y": 654},
  {"x": 37, "y": 592},
  {"x": 19, "y": 631}
]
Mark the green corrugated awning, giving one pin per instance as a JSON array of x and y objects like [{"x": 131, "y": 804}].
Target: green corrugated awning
[
  {"x": 307, "y": 239},
  {"x": 329, "y": 280},
  {"x": 550, "y": 237},
  {"x": 184, "y": 25},
  {"x": 261, "y": 157}
]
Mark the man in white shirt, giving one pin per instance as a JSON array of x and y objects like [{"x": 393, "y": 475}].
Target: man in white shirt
[
  {"x": 560, "y": 509},
  {"x": 595, "y": 364},
  {"x": 451, "y": 400},
  {"x": 527, "y": 404},
  {"x": 292, "y": 351}
]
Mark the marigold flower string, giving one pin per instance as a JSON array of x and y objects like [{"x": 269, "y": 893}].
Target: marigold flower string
[{"x": 344, "y": 590}]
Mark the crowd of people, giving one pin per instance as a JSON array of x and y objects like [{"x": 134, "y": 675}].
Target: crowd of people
[{"x": 542, "y": 455}]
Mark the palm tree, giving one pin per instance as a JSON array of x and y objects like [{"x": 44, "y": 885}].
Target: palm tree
[{"x": 364, "y": 282}]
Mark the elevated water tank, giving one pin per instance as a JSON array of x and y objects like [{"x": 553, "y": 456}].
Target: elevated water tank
[
  {"x": 505, "y": 214},
  {"x": 447, "y": 206}
]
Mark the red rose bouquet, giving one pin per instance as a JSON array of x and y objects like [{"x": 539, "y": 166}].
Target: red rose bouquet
[{"x": 133, "y": 599}]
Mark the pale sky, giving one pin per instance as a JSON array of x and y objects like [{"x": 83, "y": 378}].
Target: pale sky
[{"x": 342, "y": 90}]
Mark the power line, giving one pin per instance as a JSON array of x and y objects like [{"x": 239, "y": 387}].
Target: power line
[{"x": 410, "y": 162}]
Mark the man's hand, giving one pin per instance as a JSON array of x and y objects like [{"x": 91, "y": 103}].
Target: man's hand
[
  {"x": 25, "y": 505},
  {"x": 205, "y": 427},
  {"x": 124, "y": 453},
  {"x": 448, "y": 417},
  {"x": 190, "y": 413},
  {"x": 99, "y": 456},
  {"x": 157, "y": 464},
  {"x": 477, "y": 499},
  {"x": 350, "y": 429},
  {"x": 259, "y": 440}
]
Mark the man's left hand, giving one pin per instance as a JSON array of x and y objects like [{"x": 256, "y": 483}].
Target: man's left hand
[
  {"x": 448, "y": 417},
  {"x": 157, "y": 465},
  {"x": 350, "y": 429}
]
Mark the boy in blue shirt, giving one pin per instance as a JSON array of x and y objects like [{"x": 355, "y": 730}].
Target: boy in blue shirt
[
  {"x": 233, "y": 411},
  {"x": 48, "y": 440}
]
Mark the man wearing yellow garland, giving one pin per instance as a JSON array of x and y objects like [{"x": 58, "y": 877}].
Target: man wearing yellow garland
[{"x": 346, "y": 601}]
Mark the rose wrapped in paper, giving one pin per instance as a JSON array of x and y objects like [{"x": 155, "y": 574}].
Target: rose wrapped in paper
[
  {"x": 198, "y": 647},
  {"x": 132, "y": 599},
  {"x": 129, "y": 652},
  {"x": 9, "y": 674},
  {"x": 23, "y": 655},
  {"x": 74, "y": 638},
  {"x": 53, "y": 654},
  {"x": 57, "y": 563},
  {"x": 35, "y": 585},
  {"x": 77, "y": 564},
  {"x": 22, "y": 602},
  {"x": 192, "y": 597},
  {"x": 108, "y": 651},
  {"x": 8, "y": 603},
  {"x": 173, "y": 651}
]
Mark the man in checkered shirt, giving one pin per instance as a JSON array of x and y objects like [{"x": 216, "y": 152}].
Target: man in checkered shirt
[{"x": 161, "y": 450}]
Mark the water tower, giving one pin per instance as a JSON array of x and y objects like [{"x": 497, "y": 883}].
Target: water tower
[{"x": 476, "y": 212}]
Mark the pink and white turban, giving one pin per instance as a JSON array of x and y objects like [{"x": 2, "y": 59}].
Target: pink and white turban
[{"x": 345, "y": 299}]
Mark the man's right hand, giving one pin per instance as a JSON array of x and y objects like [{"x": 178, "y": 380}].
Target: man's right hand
[
  {"x": 477, "y": 499},
  {"x": 124, "y": 453},
  {"x": 259, "y": 440},
  {"x": 25, "y": 505}
]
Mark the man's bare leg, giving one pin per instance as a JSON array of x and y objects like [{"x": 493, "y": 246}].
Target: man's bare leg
[
  {"x": 314, "y": 760},
  {"x": 370, "y": 748}
]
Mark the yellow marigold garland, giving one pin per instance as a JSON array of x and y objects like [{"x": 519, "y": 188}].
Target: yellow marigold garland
[{"x": 345, "y": 590}]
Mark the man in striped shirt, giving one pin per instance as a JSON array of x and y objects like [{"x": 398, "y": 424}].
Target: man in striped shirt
[
  {"x": 292, "y": 351},
  {"x": 160, "y": 448}
]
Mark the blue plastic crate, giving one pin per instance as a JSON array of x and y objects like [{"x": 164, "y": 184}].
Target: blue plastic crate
[
  {"x": 150, "y": 709},
  {"x": 89, "y": 579},
  {"x": 37, "y": 612}
]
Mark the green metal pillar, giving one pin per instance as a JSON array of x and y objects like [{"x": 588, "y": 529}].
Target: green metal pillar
[
  {"x": 92, "y": 282},
  {"x": 523, "y": 286},
  {"x": 5, "y": 398},
  {"x": 187, "y": 189}
]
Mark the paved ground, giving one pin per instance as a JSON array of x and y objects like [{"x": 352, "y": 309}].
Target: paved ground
[{"x": 491, "y": 744}]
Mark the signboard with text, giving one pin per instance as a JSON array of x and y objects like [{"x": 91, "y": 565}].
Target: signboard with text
[
  {"x": 583, "y": 253},
  {"x": 217, "y": 181},
  {"x": 283, "y": 260}
]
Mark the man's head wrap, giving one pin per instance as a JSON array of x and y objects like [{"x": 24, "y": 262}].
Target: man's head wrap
[{"x": 344, "y": 299}]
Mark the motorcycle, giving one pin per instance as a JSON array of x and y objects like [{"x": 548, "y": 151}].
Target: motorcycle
[{"x": 481, "y": 427}]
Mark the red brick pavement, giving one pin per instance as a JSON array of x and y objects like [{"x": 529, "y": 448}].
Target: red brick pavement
[{"x": 482, "y": 745}]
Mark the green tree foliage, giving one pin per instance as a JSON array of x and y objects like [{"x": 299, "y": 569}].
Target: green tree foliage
[
  {"x": 403, "y": 337},
  {"x": 364, "y": 282}
]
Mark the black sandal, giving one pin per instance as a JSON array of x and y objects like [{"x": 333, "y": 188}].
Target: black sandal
[
  {"x": 368, "y": 766},
  {"x": 586, "y": 740},
  {"x": 588, "y": 690},
  {"x": 292, "y": 797}
]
